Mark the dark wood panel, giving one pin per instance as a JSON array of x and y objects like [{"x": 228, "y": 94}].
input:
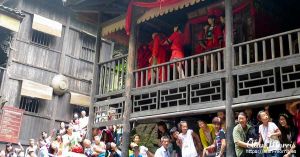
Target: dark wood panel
[
  {"x": 64, "y": 109},
  {"x": 89, "y": 28},
  {"x": 21, "y": 71},
  {"x": 80, "y": 86},
  {"x": 75, "y": 44},
  {"x": 32, "y": 126},
  {"x": 78, "y": 68},
  {"x": 25, "y": 28},
  {"x": 50, "y": 9},
  {"x": 36, "y": 55},
  {"x": 11, "y": 91}
]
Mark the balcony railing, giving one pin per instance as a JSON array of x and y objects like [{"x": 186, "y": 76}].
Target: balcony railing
[
  {"x": 267, "y": 48},
  {"x": 112, "y": 75},
  {"x": 201, "y": 64},
  {"x": 2, "y": 77},
  {"x": 263, "y": 69}
]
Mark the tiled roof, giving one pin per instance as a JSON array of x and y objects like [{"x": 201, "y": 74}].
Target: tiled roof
[{"x": 11, "y": 11}]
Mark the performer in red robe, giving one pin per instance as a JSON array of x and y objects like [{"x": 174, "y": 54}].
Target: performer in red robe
[
  {"x": 201, "y": 44},
  {"x": 214, "y": 34},
  {"x": 214, "y": 38},
  {"x": 143, "y": 57},
  {"x": 176, "y": 39},
  {"x": 159, "y": 56}
]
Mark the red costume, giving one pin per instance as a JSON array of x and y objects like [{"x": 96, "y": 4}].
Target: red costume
[
  {"x": 177, "y": 45},
  {"x": 143, "y": 57},
  {"x": 213, "y": 37},
  {"x": 160, "y": 54},
  {"x": 214, "y": 33},
  {"x": 201, "y": 43}
]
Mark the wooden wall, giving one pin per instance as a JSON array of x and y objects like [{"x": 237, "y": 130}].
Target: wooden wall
[{"x": 40, "y": 64}]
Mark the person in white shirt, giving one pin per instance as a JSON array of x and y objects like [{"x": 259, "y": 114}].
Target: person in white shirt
[
  {"x": 187, "y": 137},
  {"x": 83, "y": 121},
  {"x": 163, "y": 150},
  {"x": 268, "y": 134}
]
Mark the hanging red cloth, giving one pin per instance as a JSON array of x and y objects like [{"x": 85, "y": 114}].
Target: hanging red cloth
[{"x": 149, "y": 5}]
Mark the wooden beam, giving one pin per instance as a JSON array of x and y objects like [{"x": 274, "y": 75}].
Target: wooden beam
[
  {"x": 95, "y": 84},
  {"x": 58, "y": 100},
  {"x": 230, "y": 151},
  {"x": 129, "y": 84}
]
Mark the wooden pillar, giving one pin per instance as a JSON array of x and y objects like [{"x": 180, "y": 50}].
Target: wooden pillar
[
  {"x": 229, "y": 78},
  {"x": 129, "y": 85},
  {"x": 57, "y": 100},
  {"x": 54, "y": 104},
  {"x": 95, "y": 84},
  {"x": 66, "y": 44}
]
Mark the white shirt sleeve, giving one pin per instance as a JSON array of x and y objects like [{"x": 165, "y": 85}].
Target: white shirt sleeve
[{"x": 273, "y": 127}]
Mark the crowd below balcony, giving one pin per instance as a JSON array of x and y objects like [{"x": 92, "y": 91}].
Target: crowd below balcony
[
  {"x": 259, "y": 136},
  {"x": 68, "y": 141}
]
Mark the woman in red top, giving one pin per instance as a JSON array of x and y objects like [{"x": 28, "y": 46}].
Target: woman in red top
[
  {"x": 213, "y": 39},
  {"x": 176, "y": 39},
  {"x": 159, "y": 54}
]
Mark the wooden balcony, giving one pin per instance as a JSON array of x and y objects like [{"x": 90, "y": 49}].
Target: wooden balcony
[{"x": 264, "y": 70}]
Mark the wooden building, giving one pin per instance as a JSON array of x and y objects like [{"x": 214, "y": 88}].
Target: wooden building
[
  {"x": 259, "y": 64},
  {"x": 50, "y": 48}
]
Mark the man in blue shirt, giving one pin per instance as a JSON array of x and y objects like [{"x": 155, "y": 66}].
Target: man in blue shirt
[{"x": 163, "y": 150}]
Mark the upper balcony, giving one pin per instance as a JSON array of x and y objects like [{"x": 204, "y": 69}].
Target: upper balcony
[{"x": 264, "y": 69}]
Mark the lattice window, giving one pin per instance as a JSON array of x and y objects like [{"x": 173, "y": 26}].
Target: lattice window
[
  {"x": 29, "y": 104},
  {"x": 256, "y": 82},
  {"x": 290, "y": 76},
  {"x": 173, "y": 97},
  {"x": 206, "y": 91},
  {"x": 88, "y": 48},
  {"x": 144, "y": 102},
  {"x": 41, "y": 38},
  {"x": 104, "y": 113}
]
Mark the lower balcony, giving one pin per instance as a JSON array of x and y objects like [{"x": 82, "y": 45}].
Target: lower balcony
[{"x": 264, "y": 70}]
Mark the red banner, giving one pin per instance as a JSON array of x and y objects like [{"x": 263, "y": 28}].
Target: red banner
[{"x": 10, "y": 124}]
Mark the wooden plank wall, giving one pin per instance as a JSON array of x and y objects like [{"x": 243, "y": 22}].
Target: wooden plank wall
[{"x": 40, "y": 64}]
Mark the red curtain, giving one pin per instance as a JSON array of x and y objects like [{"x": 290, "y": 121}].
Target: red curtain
[{"x": 155, "y": 4}]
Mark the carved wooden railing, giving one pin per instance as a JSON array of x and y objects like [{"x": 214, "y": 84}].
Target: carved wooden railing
[
  {"x": 196, "y": 65},
  {"x": 267, "y": 48},
  {"x": 112, "y": 75},
  {"x": 263, "y": 69}
]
